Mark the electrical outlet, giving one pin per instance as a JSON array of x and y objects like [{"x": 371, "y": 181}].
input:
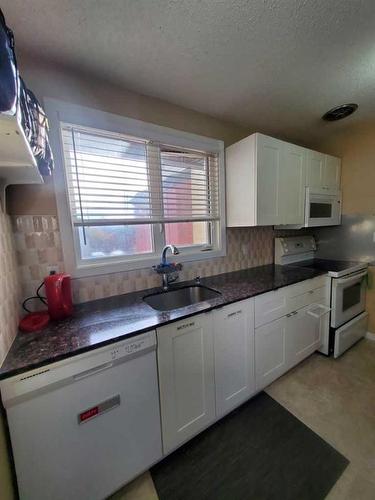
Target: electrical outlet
[{"x": 52, "y": 269}]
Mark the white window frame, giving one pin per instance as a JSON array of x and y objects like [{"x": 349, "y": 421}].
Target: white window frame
[{"x": 59, "y": 112}]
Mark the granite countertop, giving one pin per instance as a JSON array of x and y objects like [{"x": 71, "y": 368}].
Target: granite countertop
[{"x": 101, "y": 322}]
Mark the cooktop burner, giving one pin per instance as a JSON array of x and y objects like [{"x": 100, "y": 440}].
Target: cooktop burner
[{"x": 336, "y": 268}]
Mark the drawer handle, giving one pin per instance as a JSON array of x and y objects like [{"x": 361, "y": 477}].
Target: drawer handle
[
  {"x": 186, "y": 325},
  {"x": 234, "y": 313}
]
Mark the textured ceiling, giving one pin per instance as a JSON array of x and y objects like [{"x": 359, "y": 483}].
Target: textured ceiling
[{"x": 272, "y": 65}]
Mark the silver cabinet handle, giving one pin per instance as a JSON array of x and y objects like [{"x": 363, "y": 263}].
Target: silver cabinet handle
[
  {"x": 186, "y": 325},
  {"x": 234, "y": 313},
  {"x": 292, "y": 314}
]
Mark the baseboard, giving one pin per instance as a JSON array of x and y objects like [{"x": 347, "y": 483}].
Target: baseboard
[{"x": 370, "y": 336}]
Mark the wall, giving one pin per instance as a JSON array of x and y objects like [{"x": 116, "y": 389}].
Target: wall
[
  {"x": 357, "y": 150},
  {"x": 9, "y": 315},
  {"x": 9, "y": 286}
]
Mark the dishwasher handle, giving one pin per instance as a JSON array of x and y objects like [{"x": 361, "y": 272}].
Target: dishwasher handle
[{"x": 92, "y": 371}]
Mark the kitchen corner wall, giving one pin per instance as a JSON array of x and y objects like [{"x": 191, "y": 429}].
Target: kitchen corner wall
[{"x": 9, "y": 286}]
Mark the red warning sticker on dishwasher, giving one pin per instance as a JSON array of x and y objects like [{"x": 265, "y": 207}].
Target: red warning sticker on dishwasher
[
  {"x": 99, "y": 409},
  {"x": 92, "y": 412}
]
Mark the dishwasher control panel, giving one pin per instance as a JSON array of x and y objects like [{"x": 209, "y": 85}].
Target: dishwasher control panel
[{"x": 130, "y": 347}]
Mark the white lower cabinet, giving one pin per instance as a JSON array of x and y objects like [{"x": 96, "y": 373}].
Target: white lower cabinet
[
  {"x": 234, "y": 355},
  {"x": 210, "y": 363},
  {"x": 186, "y": 378},
  {"x": 270, "y": 352},
  {"x": 285, "y": 342},
  {"x": 303, "y": 336}
]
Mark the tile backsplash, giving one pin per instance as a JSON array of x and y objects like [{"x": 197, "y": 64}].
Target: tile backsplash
[
  {"x": 9, "y": 286},
  {"x": 38, "y": 246}
]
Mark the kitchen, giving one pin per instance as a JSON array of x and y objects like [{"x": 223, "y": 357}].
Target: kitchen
[{"x": 269, "y": 161}]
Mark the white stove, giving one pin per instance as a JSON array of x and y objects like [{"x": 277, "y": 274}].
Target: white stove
[{"x": 347, "y": 289}]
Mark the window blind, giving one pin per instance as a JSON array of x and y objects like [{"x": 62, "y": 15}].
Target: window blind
[{"x": 113, "y": 179}]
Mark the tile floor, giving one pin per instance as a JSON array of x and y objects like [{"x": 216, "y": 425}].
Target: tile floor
[{"x": 336, "y": 399}]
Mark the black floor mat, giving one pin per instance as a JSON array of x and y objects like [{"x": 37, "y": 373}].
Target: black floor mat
[{"x": 259, "y": 451}]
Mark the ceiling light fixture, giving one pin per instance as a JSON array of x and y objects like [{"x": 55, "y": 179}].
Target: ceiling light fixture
[{"x": 340, "y": 112}]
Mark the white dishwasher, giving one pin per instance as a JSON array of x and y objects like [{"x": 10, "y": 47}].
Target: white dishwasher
[{"x": 83, "y": 427}]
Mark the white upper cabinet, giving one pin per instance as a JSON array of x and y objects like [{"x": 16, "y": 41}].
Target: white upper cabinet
[
  {"x": 332, "y": 172},
  {"x": 292, "y": 184},
  {"x": 268, "y": 171},
  {"x": 266, "y": 180},
  {"x": 323, "y": 171}
]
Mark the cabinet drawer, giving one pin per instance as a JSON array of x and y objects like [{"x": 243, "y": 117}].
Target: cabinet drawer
[
  {"x": 270, "y": 306},
  {"x": 306, "y": 286},
  {"x": 317, "y": 295},
  {"x": 273, "y": 305}
]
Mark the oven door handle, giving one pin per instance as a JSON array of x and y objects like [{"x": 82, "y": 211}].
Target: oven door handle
[{"x": 354, "y": 277}]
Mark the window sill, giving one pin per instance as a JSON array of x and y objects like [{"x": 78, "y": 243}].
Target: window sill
[{"x": 97, "y": 269}]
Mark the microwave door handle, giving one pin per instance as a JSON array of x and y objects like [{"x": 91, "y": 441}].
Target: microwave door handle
[{"x": 343, "y": 281}]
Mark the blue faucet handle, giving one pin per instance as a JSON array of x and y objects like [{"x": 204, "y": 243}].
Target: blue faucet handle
[{"x": 168, "y": 268}]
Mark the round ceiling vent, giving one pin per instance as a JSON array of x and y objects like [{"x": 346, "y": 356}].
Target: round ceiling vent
[{"x": 340, "y": 112}]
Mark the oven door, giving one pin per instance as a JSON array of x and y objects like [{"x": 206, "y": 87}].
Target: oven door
[
  {"x": 348, "y": 297},
  {"x": 322, "y": 209}
]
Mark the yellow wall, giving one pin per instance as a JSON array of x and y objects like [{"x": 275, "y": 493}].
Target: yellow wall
[{"x": 357, "y": 150}]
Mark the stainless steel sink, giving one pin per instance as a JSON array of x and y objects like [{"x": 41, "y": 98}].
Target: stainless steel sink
[{"x": 180, "y": 297}]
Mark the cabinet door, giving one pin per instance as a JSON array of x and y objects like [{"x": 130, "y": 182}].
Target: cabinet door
[
  {"x": 303, "y": 335},
  {"x": 234, "y": 355},
  {"x": 292, "y": 184},
  {"x": 186, "y": 378},
  {"x": 315, "y": 168},
  {"x": 270, "y": 352},
  {"x": 332, "y": 172},
  {"x": 269, "y": 163}
]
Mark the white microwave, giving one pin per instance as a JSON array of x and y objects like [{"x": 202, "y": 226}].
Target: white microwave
[{"x": 322, "y": 207}]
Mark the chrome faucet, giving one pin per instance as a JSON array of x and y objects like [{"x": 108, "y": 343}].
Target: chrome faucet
[
  {"x": 166, "y": 269},
  {"x": 174, "y": 251}
]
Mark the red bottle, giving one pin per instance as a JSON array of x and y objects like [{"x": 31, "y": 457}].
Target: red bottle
[{"x": 59, "y": 295}]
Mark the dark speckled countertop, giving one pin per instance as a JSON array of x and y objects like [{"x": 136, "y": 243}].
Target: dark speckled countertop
[{"x": 101, "y": 322}]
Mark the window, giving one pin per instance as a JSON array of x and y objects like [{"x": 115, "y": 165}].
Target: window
[{"x": 128, "y": 196}]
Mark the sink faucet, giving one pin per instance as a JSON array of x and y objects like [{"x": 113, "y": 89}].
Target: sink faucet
[
  {"x": 165, "y": 268},
  {"x": 174, "y": 250}
]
